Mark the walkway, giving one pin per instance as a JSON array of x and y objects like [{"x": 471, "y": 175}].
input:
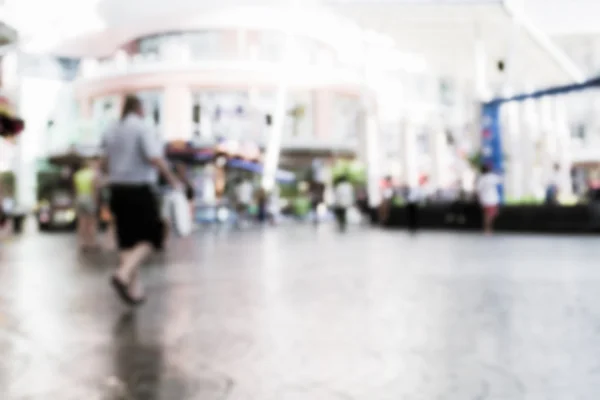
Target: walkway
[{"x": 304, "y": 314}]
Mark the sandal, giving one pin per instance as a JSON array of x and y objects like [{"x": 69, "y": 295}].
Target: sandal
[{"x": 122, "y": 290}]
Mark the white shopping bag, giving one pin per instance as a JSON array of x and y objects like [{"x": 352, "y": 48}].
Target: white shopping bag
[{"x": 180, "y": 212}]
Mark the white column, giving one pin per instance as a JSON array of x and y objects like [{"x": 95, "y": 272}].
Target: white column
[
  {"x": 37, "y": 99},
  {"x": 564, "y": 145},
  {"x": 273, "y": 151},
  {"x": 548, "y": 130},
  {"x": 530, "y": 127},
  {"x": 369, "y": 149},
  {"x": 369, "y": 133},
  {"x": 410, "y": 167},
  {"x": 439, "y": 155},
  {"x": 481, "y": 79},
  {"x": 510, "y": 128}
]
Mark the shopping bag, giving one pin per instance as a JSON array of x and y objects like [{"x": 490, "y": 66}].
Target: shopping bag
[{"x": 180, "y": 212}]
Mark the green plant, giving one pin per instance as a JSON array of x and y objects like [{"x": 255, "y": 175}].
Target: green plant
[
  {"x": 476, "y": 159},
  {"x": 354, "y": 170},
  {"x": 523, "y": 201}
]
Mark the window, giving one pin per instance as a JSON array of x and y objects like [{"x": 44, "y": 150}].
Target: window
[
  {"x": 152, "y": 102},
  {"x": 219, "y": 114},
  {"x": 346, "y": 117},
  {"x": 201, "y": 44},
  {"x": 105, "y": 110},
  {"x": 299, "y": 118}
]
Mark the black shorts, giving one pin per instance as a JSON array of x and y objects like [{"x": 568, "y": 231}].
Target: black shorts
[
  {"x": 137, "y": 217},
  {"x": 190, "y": 193}
]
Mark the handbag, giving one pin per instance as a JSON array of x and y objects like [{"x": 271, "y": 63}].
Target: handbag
[{"x": 180, "y": 212}]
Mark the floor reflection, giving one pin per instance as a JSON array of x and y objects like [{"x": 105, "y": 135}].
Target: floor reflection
[
  {"x": 138, "y": 366},
  {"x": 309, "y": 314}
]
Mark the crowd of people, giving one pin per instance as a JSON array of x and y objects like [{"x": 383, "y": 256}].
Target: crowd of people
[{"x": 129, "y": 169}]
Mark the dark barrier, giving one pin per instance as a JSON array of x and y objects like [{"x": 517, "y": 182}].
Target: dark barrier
[{"x": 534, "y": 218}]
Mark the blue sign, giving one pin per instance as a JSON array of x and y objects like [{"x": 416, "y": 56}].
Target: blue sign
[{"x": 491, "y": 141}]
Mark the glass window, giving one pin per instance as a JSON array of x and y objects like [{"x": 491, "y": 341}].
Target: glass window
[
  {"x": 346, "y": 117},
  {"x": 201, "y": 44},
  {"x": 152, "y": 101},
  {"x": 219, "y": 114},
  {"x": 204, "y": 44},
  {"x": 104, "y": 111},
  {"x": 234, "y": 115}
]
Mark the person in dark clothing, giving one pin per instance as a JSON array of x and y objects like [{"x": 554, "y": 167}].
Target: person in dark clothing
[
  {"x": 182, "y": 174},
  {"x": 317, "y": 192},
  {"x": 262, "y": 198},
  {"x": 413, "y": 208}
]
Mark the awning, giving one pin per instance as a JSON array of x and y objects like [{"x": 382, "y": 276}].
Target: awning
[{"x": 281, "y": 175}]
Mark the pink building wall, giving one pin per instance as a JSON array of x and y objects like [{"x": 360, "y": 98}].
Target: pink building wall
[{"x": 178, "y": 88}]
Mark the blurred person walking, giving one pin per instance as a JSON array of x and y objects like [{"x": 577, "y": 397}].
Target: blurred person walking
[
  {"x": 413, "y": 199},
  {"x": 344, "y": 200},
  {"x": 489, "y": 197},
  {"x": 244, "y": 194},
  {"x": 552, "y": 188},
  {"x": 387, "y": 199},
  {"x": 134, "y": 154},
  {"x": 86, "y": 182},
  {"x": 317, "y": 197},
  {"x": 190, "y": 194}
]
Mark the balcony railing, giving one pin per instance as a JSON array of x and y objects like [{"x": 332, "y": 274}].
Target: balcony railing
[{"x": 125, "y": 65}]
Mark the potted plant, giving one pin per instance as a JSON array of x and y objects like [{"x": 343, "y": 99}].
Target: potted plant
[{"x": 10, "y": 127}]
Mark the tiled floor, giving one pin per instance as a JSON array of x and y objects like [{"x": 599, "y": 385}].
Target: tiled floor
[{"x": 304, "y": 313}]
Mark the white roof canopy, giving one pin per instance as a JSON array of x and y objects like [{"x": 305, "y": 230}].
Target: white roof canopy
[{"x": 445, "y": 33}]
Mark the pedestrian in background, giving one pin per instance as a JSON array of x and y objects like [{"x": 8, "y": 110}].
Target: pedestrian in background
[
  {"x": 489, "y": 197},
  {"x": 344, "y": 200}
]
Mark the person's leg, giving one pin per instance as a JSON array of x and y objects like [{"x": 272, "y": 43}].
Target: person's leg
[
  {"x": 416, "y": 217},
  {"x": 86, "y": 234},
  {"x": 85, "y": 230},
  {"x": 192, "y": 211},
  {"x": 338, "y": 217},
  {"x": 93, "y": 230},
  {"x": 130, "y": 261},
  {"x": 487, "y": 221},
  {"x": 493, "y": 215},
  {"x": 136, "y": 288},
  {"x": 90, "y": 225},
  {"x": 81, "y": 230},
  {"x": 110, "y": 236},
  {"x": 412, "y": 216},
  {"x": 344, "y": 219}
]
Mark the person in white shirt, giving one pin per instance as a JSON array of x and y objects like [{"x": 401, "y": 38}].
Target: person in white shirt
[
  {"x": 489, "y": 197},
  {"x": 134, "y": 157},
  {"x": 344, "y": 199}
]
